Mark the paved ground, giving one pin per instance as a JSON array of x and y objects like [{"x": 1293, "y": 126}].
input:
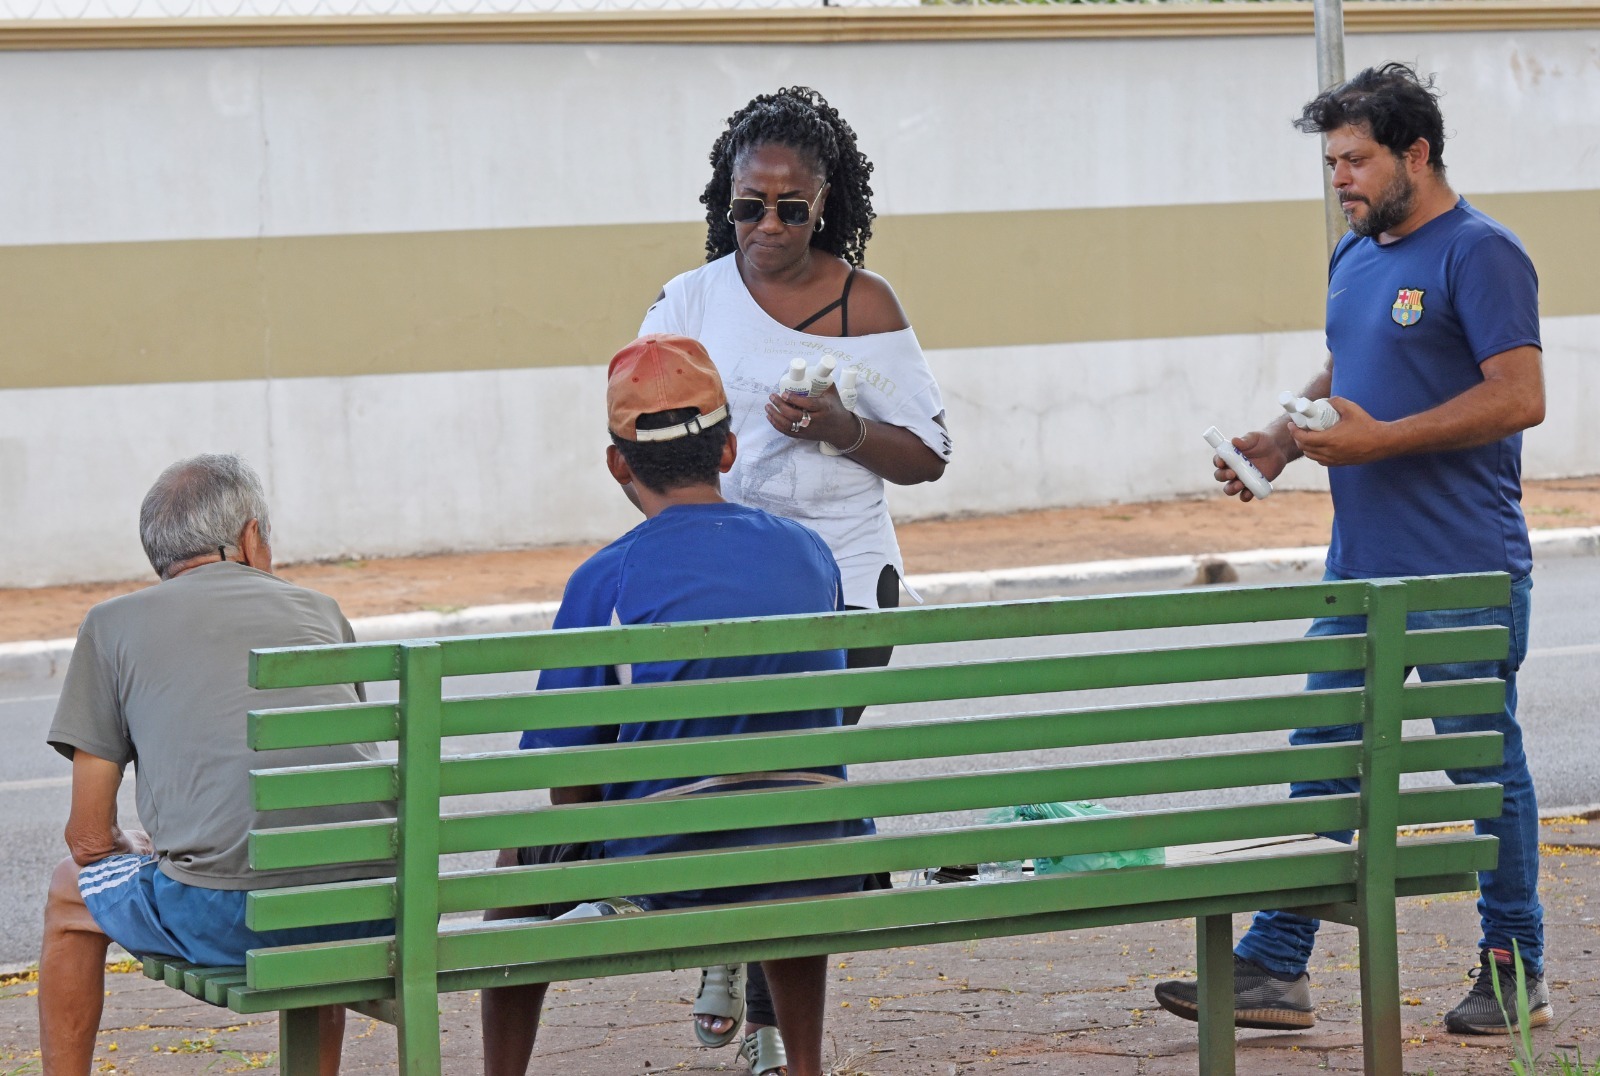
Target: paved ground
[{"x": 1062, "y": 1004}]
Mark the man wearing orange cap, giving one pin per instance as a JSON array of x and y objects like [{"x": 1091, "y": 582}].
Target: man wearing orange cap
[{"x": 695, "y": 557}]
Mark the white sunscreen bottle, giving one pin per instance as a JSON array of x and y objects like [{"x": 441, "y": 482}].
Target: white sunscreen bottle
[
  {"x": 821, "y": 375},
  {"x": 1253, "y": 480},
  {"x": 796, "y": 380},
  {"x": 847, "y": 387},
  {"x": 847, "y": 396},
  {"x": 1308, "y": 414}
]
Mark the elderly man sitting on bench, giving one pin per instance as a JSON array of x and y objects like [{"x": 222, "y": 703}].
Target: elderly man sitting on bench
[{"x": 159, "y": 678}]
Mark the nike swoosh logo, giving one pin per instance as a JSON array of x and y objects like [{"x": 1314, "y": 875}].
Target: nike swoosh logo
[{"x": 1336, "y": 294}]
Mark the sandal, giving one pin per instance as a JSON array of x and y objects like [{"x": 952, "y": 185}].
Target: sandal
[
  {"x": 763, "y": 1051},
  {"x": 721, "y": 995}
]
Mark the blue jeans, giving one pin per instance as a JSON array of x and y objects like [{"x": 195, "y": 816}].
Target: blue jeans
[{"x": 1508, "y": 896}]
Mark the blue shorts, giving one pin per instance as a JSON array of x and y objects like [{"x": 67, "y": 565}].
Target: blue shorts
[{"x": 149, "y": 914}]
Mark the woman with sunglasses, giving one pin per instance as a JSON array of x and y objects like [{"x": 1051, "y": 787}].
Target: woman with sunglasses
[{"x": 788, "y": 216}]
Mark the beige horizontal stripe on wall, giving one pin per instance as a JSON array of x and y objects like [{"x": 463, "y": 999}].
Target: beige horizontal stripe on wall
[
  {"x": 338, "y": 306},
  {"x": 823, "y": 24}
]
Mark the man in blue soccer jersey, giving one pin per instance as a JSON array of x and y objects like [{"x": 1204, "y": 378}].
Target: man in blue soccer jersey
[
  {"x": 1435, "y": 369},
  {"x": 695, "y": 557}
]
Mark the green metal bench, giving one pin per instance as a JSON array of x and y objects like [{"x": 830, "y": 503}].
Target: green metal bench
[{"x": 399, "y": 979}]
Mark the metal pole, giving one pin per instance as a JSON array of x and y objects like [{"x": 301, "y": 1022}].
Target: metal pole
[{"x": 1330, "y": 72}]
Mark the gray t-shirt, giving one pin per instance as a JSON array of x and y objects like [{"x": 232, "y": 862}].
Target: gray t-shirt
[{"x": 159, "y": 679}]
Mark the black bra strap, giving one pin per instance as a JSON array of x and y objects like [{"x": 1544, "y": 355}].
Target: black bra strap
[{"x": 841, "y": 304}]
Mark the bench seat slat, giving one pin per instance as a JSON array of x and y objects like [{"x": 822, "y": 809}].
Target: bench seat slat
[
  {"x": 172, "y": 972},
  {"x": 210, "y": 984}
]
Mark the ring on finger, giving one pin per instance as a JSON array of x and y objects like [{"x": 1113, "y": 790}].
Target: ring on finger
[
  {"x": 794, "y": 427},
  {"x": 805, "y": 420}
]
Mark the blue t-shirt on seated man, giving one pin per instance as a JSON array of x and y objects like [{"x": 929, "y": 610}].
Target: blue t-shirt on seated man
[
  {"x": 695, "y": 557},
  {"x": 705, "y": 562}
]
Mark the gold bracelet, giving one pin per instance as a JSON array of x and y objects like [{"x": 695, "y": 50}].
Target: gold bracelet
[{"x": 860, "y": 440}]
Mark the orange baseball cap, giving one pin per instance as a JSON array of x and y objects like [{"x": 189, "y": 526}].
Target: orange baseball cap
[{"x": 662, "y": 372}]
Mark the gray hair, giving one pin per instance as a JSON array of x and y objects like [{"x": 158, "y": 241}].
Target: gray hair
[{"x": 197, "y": 506}]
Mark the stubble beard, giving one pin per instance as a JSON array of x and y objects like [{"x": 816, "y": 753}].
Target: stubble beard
[{"x": 1389, "y": 209}]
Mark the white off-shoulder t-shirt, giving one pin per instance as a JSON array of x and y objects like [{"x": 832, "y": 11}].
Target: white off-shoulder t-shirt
[{"x": 833, "y": 495}]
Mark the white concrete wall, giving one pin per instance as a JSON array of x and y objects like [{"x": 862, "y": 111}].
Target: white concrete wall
[{"x": 155, "y": 145}]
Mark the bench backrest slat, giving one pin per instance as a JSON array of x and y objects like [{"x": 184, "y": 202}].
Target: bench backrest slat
[
  {"x": 300, "y": 667},
  {"x": 473, "y": 775},
  {"x": 474, "y": 889}
]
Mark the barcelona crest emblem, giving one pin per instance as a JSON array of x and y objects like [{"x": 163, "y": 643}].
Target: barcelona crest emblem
[{"x": 1407, "y": 309}]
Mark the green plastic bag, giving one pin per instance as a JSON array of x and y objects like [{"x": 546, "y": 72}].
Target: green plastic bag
[{"x": 1090, "y": 861}]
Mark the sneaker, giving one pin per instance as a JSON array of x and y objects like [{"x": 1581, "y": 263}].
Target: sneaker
[
  {"x": 1480, "y": 1014},
  {"x": 1260, "y": 999}
]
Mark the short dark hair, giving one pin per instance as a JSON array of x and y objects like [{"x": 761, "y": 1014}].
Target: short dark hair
[
  {"x": 1395, "y": 104},
  {"x": 800, "y": 118},
  {"x": 694, "y": 460}
]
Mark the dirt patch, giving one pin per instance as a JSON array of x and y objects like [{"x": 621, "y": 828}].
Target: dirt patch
[{"x": 1056, "y": 536}]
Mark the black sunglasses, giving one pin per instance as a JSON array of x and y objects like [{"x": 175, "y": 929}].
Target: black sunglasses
[{"x": 795, "y": 212}]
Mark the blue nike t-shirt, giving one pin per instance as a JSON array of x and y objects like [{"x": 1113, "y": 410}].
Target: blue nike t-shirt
[
  {"x": 1408, "y": 324},
  {"x": 706, "y": 562}
]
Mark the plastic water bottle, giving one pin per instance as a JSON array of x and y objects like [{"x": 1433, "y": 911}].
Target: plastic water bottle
[{"x": 1005, "y": 870}]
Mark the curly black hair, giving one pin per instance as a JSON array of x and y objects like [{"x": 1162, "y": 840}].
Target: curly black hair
[
  {"x": 687, "y": 461},
  {"x": 1395, "y": 104},
  {"x": 801, "y": 118}
]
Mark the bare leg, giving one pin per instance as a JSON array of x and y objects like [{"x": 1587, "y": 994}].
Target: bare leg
[
  {"x": 330, "y": 1038},
  {"x": 72, "y": 977},
  {"x": 510, "y": 1023},
  {"x": 799, "y": 993},
  {"x": 510, "y": 1016}
]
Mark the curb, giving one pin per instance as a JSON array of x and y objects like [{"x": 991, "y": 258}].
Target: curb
[{"x": 47, "y": 659}]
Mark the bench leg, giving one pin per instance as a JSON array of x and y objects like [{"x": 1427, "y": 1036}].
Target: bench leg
[
  {"x": 1380, "y": 996},
  {"x": 1214, "y": 963},
  {"x": 299, "y": 1034}
]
